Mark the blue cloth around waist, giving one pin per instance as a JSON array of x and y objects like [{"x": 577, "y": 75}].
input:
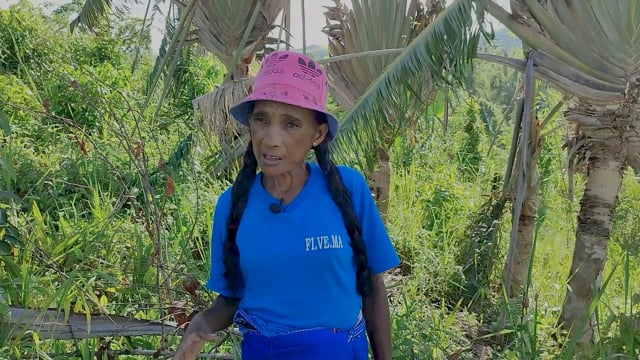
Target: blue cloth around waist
[{"x": 308, "y": 344}]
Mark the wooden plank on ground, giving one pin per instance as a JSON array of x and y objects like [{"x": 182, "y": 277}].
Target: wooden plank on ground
[{"x": 51, "y": 324}]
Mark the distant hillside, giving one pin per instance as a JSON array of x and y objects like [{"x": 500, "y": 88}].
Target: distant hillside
[
  {"x": 316, "y": 51},
  {"x": 505, "y": 41}
]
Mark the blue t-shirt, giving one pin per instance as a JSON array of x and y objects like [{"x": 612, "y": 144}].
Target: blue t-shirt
[{"x": 298, "y": 265}]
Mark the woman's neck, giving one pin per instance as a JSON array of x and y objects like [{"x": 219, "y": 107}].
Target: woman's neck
[{"x": 286, "y": 185}]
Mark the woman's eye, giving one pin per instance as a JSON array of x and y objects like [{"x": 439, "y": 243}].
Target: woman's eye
[
  {"x": 293, "y": 124},
  {"x": 259, "y": 120}
]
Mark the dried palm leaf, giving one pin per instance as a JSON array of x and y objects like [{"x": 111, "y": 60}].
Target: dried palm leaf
[
  {"x": 222, "y": 24},
  {"x": 214, "y": 108}
]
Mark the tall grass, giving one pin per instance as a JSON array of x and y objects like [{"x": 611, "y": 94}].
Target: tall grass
[
  {"x": 430, "y": 206},
  {"x": 72, "y": 260}
]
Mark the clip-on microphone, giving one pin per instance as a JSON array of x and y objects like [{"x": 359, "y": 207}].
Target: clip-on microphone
[{"x": 276, "y": 208}]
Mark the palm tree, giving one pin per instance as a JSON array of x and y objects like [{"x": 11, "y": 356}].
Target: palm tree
[
  {"x": 352, "y": 32},
  {"x": 593, "y": 53},
  {"x": 590, "y": 52}
]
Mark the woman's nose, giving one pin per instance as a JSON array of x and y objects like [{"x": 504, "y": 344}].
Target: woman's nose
[{"x": 272, "y": 136}]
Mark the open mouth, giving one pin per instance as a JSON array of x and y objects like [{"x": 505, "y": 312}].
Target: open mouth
[
  {"x": 271, "y": 157},
  {"x": 270, "y": 160}
]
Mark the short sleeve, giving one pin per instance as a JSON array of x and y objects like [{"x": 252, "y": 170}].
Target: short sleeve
[
  {"x": 380, "y": 250},
  {"x": 217, "y": 282}
]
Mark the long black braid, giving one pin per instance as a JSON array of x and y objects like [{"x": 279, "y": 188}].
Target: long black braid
[
  {"x": 239, "y": 198},
  {"x": 342, "y": 198},
  {"x": 339, "y": 194}
]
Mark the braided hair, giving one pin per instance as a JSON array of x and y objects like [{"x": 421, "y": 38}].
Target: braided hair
[
  {"x": 340, "y": 196},
  {"x": 239, "y": 199}
]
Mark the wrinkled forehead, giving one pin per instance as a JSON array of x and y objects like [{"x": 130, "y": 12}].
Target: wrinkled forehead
[{"x": 276, "y": 109}]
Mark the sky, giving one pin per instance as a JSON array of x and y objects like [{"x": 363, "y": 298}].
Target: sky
[{"x": 314, "y": 19}]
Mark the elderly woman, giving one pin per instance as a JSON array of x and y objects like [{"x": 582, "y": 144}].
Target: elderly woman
[{"x": 297, "y": 249}]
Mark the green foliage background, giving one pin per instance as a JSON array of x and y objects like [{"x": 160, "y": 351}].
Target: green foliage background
[{"x": 105, "y": 206}]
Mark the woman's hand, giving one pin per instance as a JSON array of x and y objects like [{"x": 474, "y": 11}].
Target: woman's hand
[
  {"x": 198, "y": 332},
  {"x": 204, "y": 325}
]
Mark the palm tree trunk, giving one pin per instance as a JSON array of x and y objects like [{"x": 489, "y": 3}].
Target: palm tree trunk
[
  {"x": 380, "y": 181},
  {"x": 518, "y": 269},
  {"x": 526, "y": 226},
  {"x": 605, "y": 170}
]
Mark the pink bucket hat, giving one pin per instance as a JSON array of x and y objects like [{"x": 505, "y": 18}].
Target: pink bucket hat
[{"x": 291, "y": 78}]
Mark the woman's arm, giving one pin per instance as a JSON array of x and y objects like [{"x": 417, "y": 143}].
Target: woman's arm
[
  {"x": 376, "y": 315},
  {"x": 219, "y": 316},
  {"x": 202, "y": 327}
]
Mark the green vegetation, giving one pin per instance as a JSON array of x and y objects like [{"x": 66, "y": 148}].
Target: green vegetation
[{"x": 106, "y": 202}]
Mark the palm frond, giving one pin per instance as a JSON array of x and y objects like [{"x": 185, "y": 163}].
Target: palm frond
[
  {"x": 563, "y": 77},
  {"x": 171, "y": 22},
  {"x": 92, "y": 12},
  {"x": 444, "y": 50},
  {"x": 222, "y": 24},
  {"x": 593, "y": 38},
  {"x": 145, "y": 30},
  {"x": 590, "y": 50},
  {"x": 540, "y": 39},
  {"x": 175, "y": 48},
  {"x": 352, "y": 31}
]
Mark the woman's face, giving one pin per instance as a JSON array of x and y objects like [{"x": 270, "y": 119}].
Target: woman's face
[{"x": 282, "y": 135}]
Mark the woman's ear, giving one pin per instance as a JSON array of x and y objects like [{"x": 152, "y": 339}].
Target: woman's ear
[{"x": 321, "y": 134}]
